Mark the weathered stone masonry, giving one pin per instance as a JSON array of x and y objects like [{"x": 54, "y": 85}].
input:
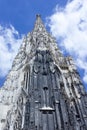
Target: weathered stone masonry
[{"x": 43, "y": 90}]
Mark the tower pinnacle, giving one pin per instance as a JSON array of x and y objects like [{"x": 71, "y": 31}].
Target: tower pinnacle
[
  {"x": 38, "y": 15},
  {"x": 39, "y": 26}
]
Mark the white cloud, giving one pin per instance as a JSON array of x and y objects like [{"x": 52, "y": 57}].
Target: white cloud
[
  {"x": 10, "y": 41},
  {"x": 70, "y": 25}
]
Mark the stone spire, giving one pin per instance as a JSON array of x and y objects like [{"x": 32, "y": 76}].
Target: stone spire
[
  {"x": 43, "y": 90},
  {"x": 39, "y": 26}
]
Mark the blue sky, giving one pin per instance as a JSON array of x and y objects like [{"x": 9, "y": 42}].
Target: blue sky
[
  {"x": 21, "y": 13},
  {"x": 66, "y": 20}
]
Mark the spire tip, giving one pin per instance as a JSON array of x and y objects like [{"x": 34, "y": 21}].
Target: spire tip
[{"x": 38, "y": 15}]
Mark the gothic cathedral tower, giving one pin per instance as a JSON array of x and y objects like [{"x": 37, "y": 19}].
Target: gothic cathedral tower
[{"x": 43, "y": 90}]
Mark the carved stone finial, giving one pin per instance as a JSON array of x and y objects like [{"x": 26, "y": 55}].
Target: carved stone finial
[{"x": 38, "y": 15}]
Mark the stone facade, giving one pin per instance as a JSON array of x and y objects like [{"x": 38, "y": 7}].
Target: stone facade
[{"x": 43, "y": 90}]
